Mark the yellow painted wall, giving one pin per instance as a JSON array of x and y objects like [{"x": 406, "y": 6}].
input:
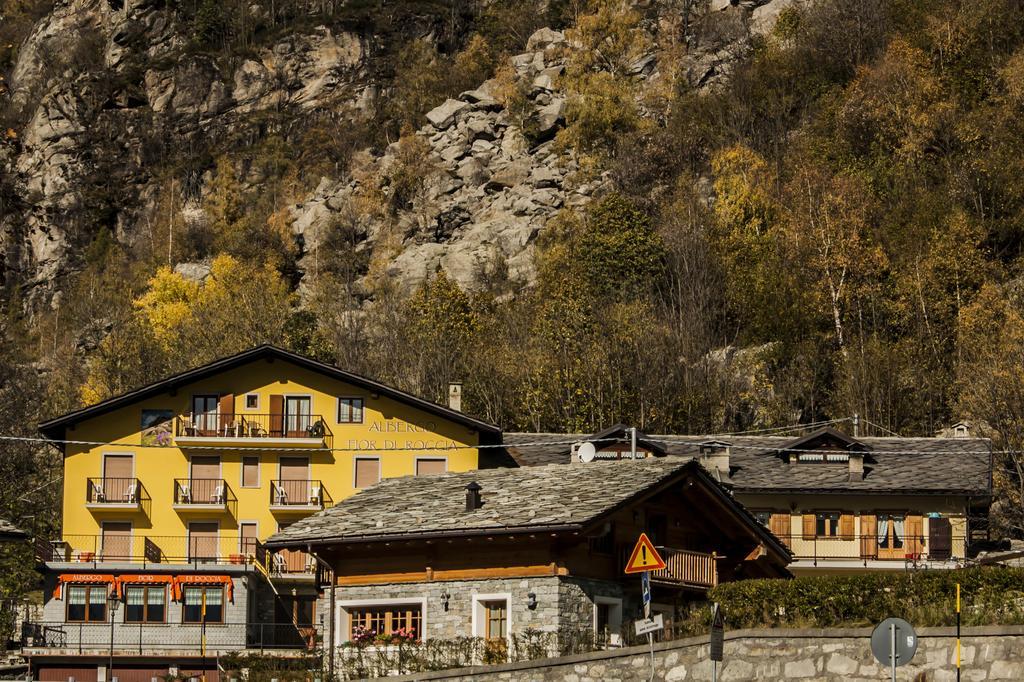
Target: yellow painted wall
[{"x": 386, "y": 424}]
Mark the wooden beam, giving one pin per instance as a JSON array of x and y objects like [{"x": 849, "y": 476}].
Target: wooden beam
[{"x": 465, "y": 574}]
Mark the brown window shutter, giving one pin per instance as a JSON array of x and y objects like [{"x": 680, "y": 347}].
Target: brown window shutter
[
  {"x": 250, "y": 472},
  {"x": 846, "y": 526},
  {"x": 276, "y": 416},
  {"x": 227, "y": 411},
  {"x": 367, "y": 472},
  {"x": 781, "y": 524},
  {"x": 914, "y": 534},
  {"x": 427, "y": 467},
  {"x": 868, "y": 536},
  {"x": 809, "y": 525}
]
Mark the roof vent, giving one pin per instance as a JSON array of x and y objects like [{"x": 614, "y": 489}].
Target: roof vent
[{"x": 473, "y": 500}]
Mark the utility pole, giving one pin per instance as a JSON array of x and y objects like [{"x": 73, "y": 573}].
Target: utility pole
[
  {"x": 632, "y": 442},
  {"x": 856, "y": 425}
]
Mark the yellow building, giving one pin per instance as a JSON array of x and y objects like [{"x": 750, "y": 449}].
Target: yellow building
[{"x": 204, "y": 465}]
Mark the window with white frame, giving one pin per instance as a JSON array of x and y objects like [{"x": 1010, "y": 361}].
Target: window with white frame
[
  {"x": 608, "y": 621},
  {"x": 492, "y": 618}
]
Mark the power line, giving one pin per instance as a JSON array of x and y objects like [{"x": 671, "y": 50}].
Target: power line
[{"x": 791, "y": 427}]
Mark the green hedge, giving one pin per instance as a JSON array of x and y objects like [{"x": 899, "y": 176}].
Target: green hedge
[{"x": 989, "y": 596}]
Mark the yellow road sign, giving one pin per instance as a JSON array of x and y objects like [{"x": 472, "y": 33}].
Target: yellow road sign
[{"x": 644, "y": 557}]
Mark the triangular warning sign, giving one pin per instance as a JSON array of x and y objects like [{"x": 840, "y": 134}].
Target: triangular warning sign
[{"x": 644, "y": 557}]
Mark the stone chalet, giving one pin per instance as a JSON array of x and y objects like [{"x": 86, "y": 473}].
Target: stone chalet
[
  {"x": 492, "y": 552},
  {"x": 841, "y": 503}
]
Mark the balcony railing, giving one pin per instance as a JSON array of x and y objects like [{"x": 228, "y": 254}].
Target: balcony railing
[
  {"x": 183, "y": 639},
  {"x": 900, "y": 549},
  {"x": 251, "y": 426},
  {"x": 297, "y": 495},
  {"x": 113, "y": 492},
  {"x": 683, "y": 567},
  {"x": 201, "y": 493},
  {"x": 197, "y": 549}
]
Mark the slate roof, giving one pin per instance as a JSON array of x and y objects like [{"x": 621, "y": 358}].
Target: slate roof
[
  {"x": 903, "y": 465},
  {"x": 9, "y": 532},
  {"x": 530, "y": 498}
]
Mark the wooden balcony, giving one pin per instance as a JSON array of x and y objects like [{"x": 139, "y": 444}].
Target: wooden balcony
[
  {"x": 255, "y": 429},
  {"x": 124, "y": 494},
  {"x": 687, "y": 569}
]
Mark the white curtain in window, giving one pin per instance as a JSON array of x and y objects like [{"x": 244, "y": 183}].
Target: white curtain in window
[
  {"x": 76, "y": 595},
  {"x": 97, "y": 595},
  {"x": 883, "y": 528},
  {"x": 897, "y": 522},
  {"x": 133, "y": 596},
  {"x": 193, "y": 597},
  {"x": 214, "y": 597},
  {"x": 156, "y": 595}
]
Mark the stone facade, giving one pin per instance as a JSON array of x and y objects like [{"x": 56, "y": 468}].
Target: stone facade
[
  {"x": 562, "y": 602},
  {"x": 839, "y": 655}
]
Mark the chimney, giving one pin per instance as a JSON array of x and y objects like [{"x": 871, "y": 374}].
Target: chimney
[
  {"x": 715, "y": 458},
  {"x": 473, "y": 501},
  {"x": 856, "y": 465},
  {"x": 455, "y": 396}
]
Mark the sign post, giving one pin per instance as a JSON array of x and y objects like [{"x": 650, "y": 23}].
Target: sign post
[
  {"x": 893, "y": 643},
  {"x": 958, "y": 632},
  {"x": 643, "y": 560},
  {"x": 717, "y": 638}
]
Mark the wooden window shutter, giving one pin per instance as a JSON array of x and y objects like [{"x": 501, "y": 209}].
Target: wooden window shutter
[
  {"x": 846, "y": 526},
  {"x": 914, "y": 530},
  {"x": 367, "y": 472},
  {"x": 868, "y": 536},
  {"x": 809, "y": 525},
  {"x": 227, "y": 410},
  {"x": 781, "y": 524},
  {"x": 276, "y": 416}
]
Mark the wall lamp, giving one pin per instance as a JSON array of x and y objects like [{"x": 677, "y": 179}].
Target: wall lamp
[
  {"x": 445, "y": 596},
  {"x": 531, "y": 600}
]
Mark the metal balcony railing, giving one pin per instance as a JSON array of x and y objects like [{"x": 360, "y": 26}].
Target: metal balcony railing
[
  {"x": 237, "y": 426},
  {"x": 197, "y": 549},
  {"x": 123, "y": 638},
  {"x": 113, "y": 491},
  {"x": 288, "y": 494},
  {"x": 201, "y": 492},
  {"x": 903, "y": 548}
]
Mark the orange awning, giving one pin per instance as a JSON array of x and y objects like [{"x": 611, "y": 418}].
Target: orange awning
[
  {"x": 180, "y": 580},
  {"x": 91, "y": 578}
]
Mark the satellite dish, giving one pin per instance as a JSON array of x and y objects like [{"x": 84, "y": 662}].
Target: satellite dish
[{"x": 586, "y": 452}]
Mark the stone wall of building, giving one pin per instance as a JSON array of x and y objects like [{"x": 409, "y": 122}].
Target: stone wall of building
[
  {"x": 839, "y": 655},
  {"x": 561, "y": 601}
]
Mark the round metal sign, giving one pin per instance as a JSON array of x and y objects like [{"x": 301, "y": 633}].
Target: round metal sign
[{"x": 894, "y": 632}]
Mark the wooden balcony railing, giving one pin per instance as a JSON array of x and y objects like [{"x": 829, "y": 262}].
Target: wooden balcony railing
[
  {"x": 201, "y": 492},
  {"x": 288, "y": 494},
  {"x": 237, "y": 426},
  {"x": 113, "y": 491},
  {"x": 683, "y": 567}
]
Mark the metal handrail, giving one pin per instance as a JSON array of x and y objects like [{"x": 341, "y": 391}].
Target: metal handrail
[
  {"x": 201, "y": 491},
  {"x": 251, "y": 425},
  {"x": 297, "y": 493}
]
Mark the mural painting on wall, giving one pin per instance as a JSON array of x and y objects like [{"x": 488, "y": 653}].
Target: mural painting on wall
[{"x": 156, "y": 427}]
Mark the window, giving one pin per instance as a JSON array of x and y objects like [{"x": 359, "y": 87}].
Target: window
[
  {"x": 427, "y": 467},
  {"x": 252, "y": 401},
  {"x": 295, "y": 610},
  {"x": 204, "y": 414},
  {"x": 202, "y": 541},
  {"x": 367, "y": 471},
  {"x": 495, "y": 619},
  {"x": 385, "y": 620},
  {"x": 87, "y": 603},
  {"x": 763, "y": 517},
  {"x": 826, "y": 524},
  {"x": 250, "y": 472},
  {"x": 608, "y": 621},
  {"x": 350, "y": 410},
  {"x": 145, "y": 604},
  {"x": 890, "y": 531},
  {"x": 248, "y": 536},
  {"x": 192, "y": 612}
]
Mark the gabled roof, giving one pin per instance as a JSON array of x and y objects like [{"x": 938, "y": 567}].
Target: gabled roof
[
  {"x": 9, "y": 532},
  {"x": 54, "y": 428},
  {"x": 825, "y": 435},
  {"x": 900, "y": 465},
  {"x": 619, "y": 433},
  {"x": 550, "y": 498}
]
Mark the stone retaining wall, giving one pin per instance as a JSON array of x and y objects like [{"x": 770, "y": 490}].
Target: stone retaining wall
[{"x": 988, "y": 653}]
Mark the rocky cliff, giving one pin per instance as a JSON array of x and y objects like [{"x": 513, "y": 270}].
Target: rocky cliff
[{"x": 110, "y": 100}]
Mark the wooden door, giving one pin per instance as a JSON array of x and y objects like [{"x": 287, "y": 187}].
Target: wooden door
[
  {"x": 868, "y": 536},
  {"x": 116, "y": 544},
  {"x": 204, "y": 414},
  {"x": 915, "y": 535},
  {"x": 118, "y": 480},
  {"x": 276, "y": 419},
  {"x": 891, "y": 536},
  {"x": 297, "y": 410},
  {"x": 940, "y": 539},
  {"x": 248, "y": 539},
  {"x": 294, "y": 480},
  {"x": 207, "y": 486},
  {"x": 226, "y": 407},
  {"x": 202, "y": 541},
  {"x": 294, "y": 561}
]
